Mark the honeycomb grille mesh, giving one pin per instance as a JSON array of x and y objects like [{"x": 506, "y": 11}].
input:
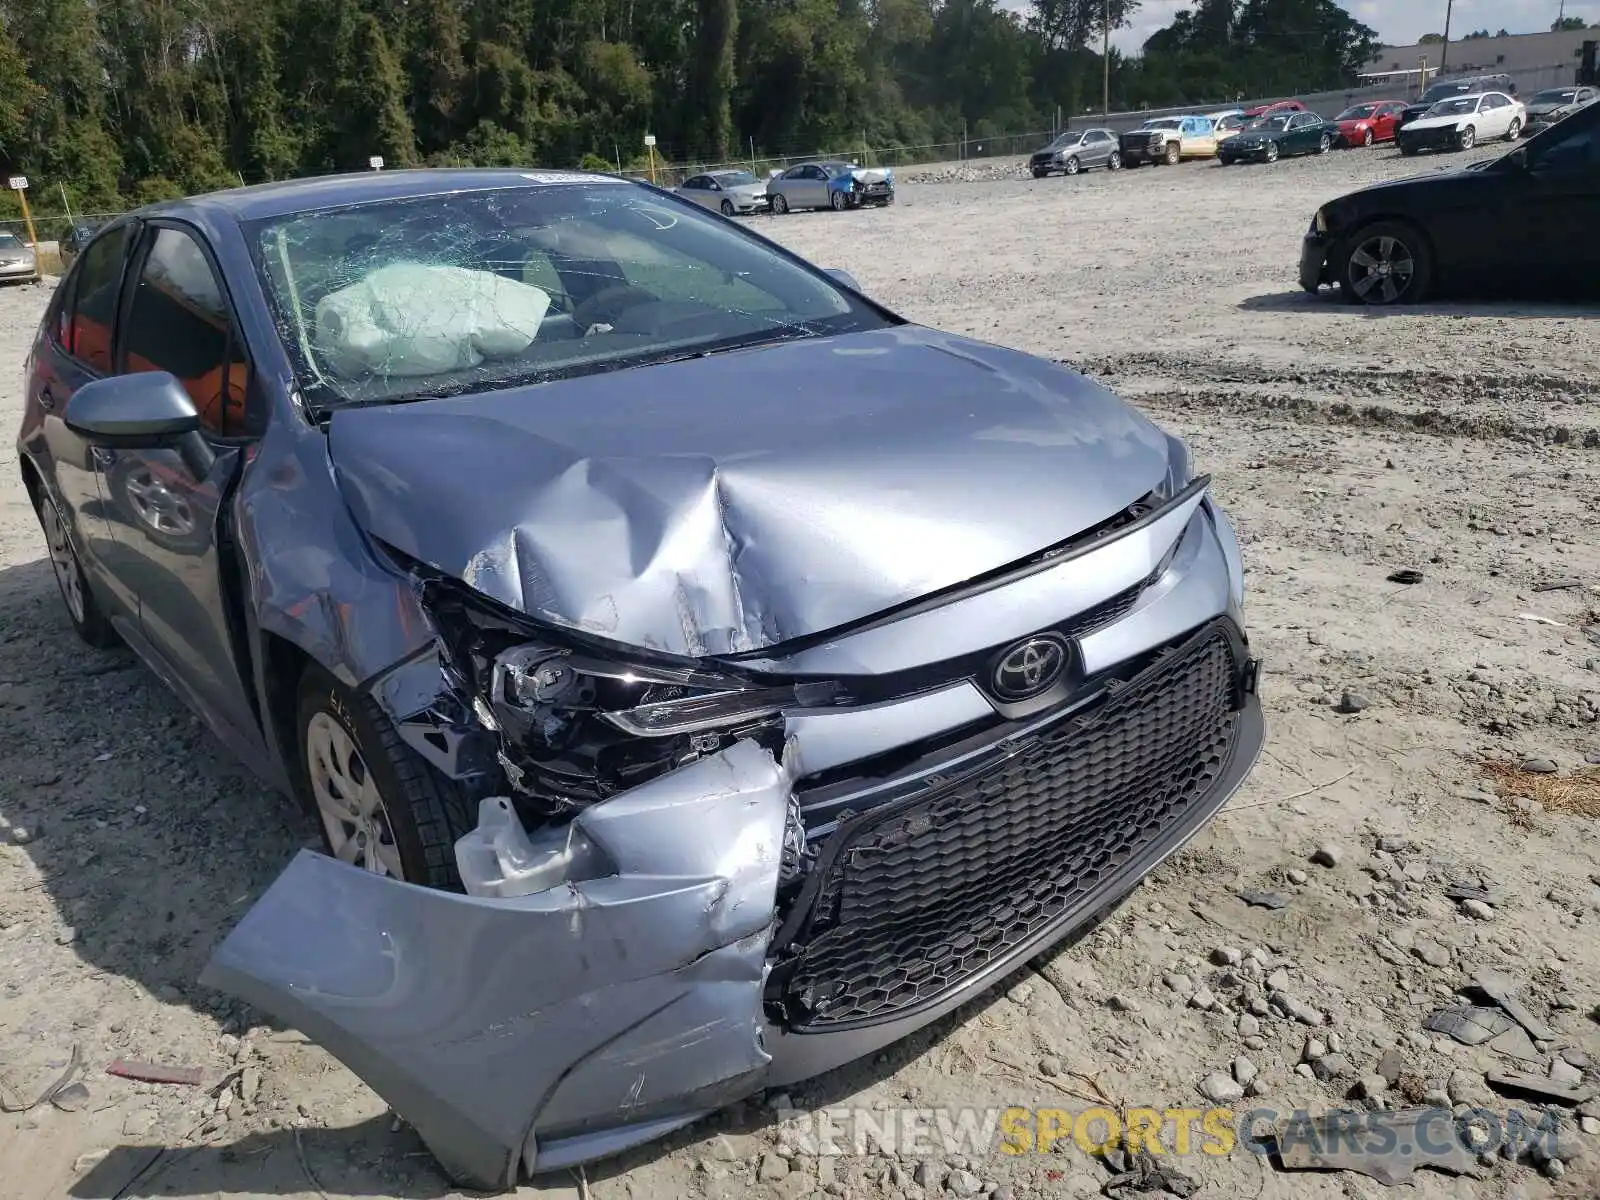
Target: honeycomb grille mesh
[{"x": 927, "y": 894}]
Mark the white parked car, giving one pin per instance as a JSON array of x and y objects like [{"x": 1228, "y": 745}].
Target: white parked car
[
  {"x": 728, "y": 192},
  {"x": 1461, "y": 122}
]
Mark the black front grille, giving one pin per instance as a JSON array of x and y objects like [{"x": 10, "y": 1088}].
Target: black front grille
[{"x": 916, "y": 896}]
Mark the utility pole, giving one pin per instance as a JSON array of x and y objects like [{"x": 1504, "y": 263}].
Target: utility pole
[
  {"x": 1444, "y": 49},
  {"x": 1105, "y": 56}
]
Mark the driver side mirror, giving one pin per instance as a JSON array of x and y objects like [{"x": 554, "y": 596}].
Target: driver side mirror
[{"x": 143, "y": 411}]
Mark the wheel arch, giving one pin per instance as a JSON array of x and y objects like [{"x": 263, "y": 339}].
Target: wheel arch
[{"x": 32, "y": 481}]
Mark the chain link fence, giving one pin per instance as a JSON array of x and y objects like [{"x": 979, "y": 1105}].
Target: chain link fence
[{"x": 52, "y": 225}]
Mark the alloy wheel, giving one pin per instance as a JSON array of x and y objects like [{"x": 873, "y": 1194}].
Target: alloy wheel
[
  {"x": 1366, "y": 138},
  {"x": 347, "y": 798},
  {"x": 1272, "y": 151},
  {"x": 780, "y": 204},
  {"x": 63, "y": 560},
  {"x": 1072, "y": 165},
  {"x": 157, "y": 505},
  {"x": 1381, "y": 270},
  {"x": 727, "y": 208},
  {"x": 1469, "y": 138},
  {"x": 1114, "y": 163}
]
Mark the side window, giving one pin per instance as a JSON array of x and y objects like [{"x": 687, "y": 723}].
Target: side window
[
  {"x": 693, "y": 184},
  {"x": 1577, "y": 150},
  {"x": 87, "y": 319},
  {"x": 179, "y": 322},
  {"x": 795, "y": 173}
]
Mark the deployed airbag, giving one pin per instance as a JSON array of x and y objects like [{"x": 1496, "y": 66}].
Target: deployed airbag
[{"x": 411, "y": 318}]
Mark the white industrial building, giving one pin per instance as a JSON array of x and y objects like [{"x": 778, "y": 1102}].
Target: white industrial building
[{"x": 1534, "y": 60}]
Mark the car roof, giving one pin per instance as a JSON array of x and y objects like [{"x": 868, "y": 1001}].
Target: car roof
[{"x": 267, "y": 200}]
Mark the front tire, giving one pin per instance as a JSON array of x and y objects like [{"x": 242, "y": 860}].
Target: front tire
[
  {"x": 1386, "y": 263},
  {"x": 837, "y": 201},
  {"x": 1072, "y": 166},
  {"x": 1467, "y": 138},
  {"x": 1366, "y": 138},
  {"x": 381, "y": 807},
  {"x": 1325, "y": 144},
  {"x": 780, "y": 203},
  {"x": 1114, "y": 163},
  {"x": 1271, "y": 152},
  {"x": 83, "y": 610},
  {"x": 1174, "y": 153},
  {"x": 727, "y": 208},
  {"x": 1513, "y": 133}
]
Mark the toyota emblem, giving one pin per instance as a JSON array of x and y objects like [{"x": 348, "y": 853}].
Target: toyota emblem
[{"x": 1029, "y": 668}]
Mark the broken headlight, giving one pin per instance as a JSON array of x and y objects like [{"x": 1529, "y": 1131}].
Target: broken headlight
[{"x": 578, "y": 722}]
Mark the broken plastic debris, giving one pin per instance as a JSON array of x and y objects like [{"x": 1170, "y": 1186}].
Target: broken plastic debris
[
  {"x": 1352, "y": 1141},
  {"x": 498, "y": 859},
  {"x": 147, "y": 1072},
  {"x": 1142, "y": 1172},
  {"x": 1469, "y": 1025},
  {"x": 1504, "y": 993},
  {"x": 1538, "y": 1085}
]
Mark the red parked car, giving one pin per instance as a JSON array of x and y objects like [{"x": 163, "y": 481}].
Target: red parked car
[
  {"x": 1262, "y": 111},
  {"x": 1373, "y": 121}
]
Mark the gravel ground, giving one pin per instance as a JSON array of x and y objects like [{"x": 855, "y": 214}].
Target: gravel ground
[{"x": 1457, "y": 441}]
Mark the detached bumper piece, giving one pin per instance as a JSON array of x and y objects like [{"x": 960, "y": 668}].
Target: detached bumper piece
[
  {"x": 555, "y": 1027},
  {"x": 920, "y": 896}
]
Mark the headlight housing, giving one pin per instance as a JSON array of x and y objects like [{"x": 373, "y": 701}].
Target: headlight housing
[{"x": 578, "y": 720}]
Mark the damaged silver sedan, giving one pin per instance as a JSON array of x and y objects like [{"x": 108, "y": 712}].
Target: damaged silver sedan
[{"x": 703, "y": 676}]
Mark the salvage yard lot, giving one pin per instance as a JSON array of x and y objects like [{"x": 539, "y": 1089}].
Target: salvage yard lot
[{"x": 1459, "y": 441}]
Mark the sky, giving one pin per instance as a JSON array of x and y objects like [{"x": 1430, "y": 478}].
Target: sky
[{"x": 1398, "y": 22}]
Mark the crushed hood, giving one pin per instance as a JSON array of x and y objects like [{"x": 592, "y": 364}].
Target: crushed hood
[{"x": 734, "y": 502}]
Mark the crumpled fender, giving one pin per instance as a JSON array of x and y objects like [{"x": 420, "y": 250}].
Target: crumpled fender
[{"x": 503, "y": 1028}]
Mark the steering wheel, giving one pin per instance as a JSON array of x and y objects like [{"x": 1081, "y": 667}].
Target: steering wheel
[{"x": 608, "y": 303}]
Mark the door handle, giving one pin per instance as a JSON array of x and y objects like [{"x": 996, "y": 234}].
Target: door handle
[{"x": 47, "y": 399}]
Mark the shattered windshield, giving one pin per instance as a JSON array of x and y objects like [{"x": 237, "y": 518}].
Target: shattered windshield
[{"x": 471, "y": 291}]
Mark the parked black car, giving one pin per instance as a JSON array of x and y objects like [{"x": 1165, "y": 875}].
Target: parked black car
[
  {"x": 1520, "y": 221},
  {"x": 74, "y": 240},
  {"x": 1445, "y": 88}
]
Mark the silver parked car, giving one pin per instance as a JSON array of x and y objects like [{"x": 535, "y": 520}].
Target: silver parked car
[
  {"x": 671, "y": 739},
  {"x": 1077, "y": 150},
  {"x": 728, "y": 192},
  {"x": 833, "y": 184},
  {"x": 18, "y": 263}
]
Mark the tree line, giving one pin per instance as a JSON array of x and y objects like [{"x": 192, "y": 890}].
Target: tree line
[{"x": 126, "y": 101}]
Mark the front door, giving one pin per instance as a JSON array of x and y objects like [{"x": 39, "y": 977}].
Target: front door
[
  {"x": 77, "y": 350},
  {"x": 165, "y": 519},
  {"x": 1556, "y": 205}
]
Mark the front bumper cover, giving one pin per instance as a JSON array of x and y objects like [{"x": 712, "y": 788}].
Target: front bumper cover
[
  {"x": 536, "y": 1032},
  {"x": 1314, "y": 266}
]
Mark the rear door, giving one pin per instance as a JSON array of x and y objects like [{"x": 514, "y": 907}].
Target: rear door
[
  {"x": 177, "y": 318},
  {"x": 695, "y": 189}
]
